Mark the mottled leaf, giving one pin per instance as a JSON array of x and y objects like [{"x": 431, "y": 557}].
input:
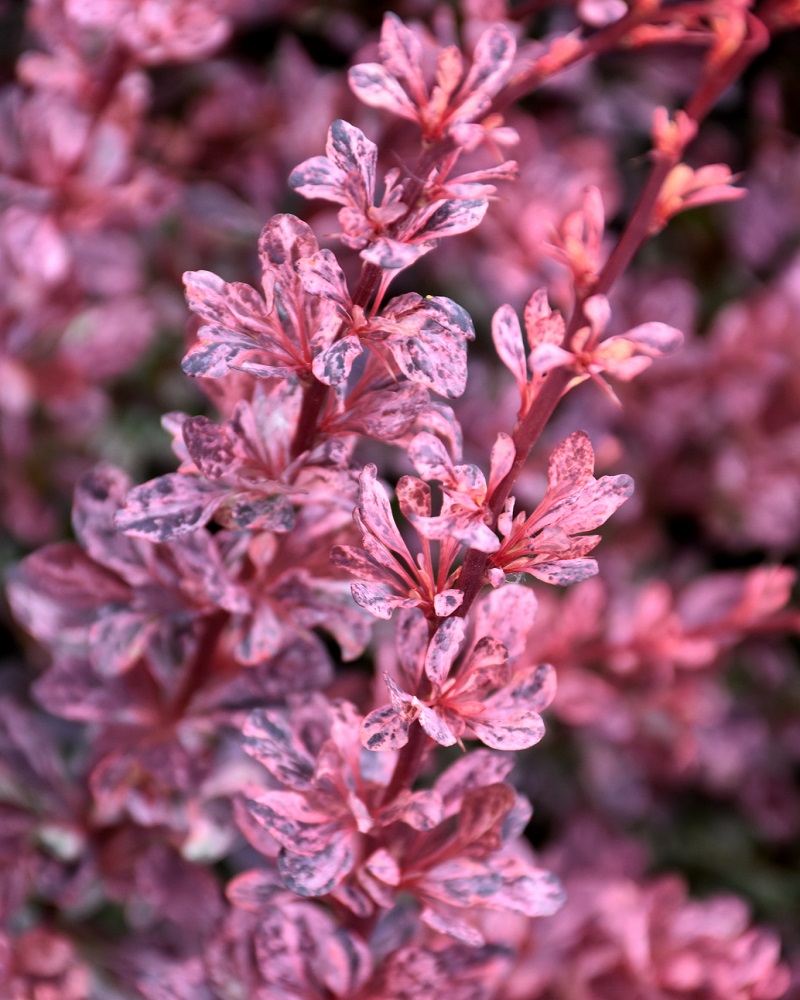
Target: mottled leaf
[
  {"x": 319, "y": 873},
  {"x": 270, "y": 739},
  {"x": 443, "y": 649},
  {"x": 384, "y": 729},
  {"x": 507, "y": 337},
  {"x": 373, "y": 85},
  {"x": 168, "y": 507}
]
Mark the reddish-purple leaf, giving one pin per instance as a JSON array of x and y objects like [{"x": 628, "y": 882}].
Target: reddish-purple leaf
[{"x": 56, "y": 591}]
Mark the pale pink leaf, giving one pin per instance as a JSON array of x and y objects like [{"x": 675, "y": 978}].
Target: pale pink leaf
[
  {"x": 443, "y": 649},
  {"x": 571, "y": 465},
  {"x": 317, "y": 177},
  {"x": 394, "y": 255},
  {"x": 491, "y": 61},
  {"x": 447, "y": 601},
  {"x": 453, "y": 926},
  {"x": 319, "y": 873},
  {"x": 458, "y": 215},
  {"x": 414, "y": 497},
  {"x": 565, "y": 573},
  {"x": 512, "y": 732},
  {"x": 169, "y": 507},
  {"x": 400, "y": 50},
  {"x": 435, "y": 726},
  {"x": 373, "y": 85},
  {"x": 507, "y": 337},
  {"x": 384, "y": 729},
  {"x": 333, "y": 365},
  {"x": 293, "y": 821},
  {"x": 322, "y": 276},
  {"x": 271, "y": 741},
  {"x": 352, "y": 152}
]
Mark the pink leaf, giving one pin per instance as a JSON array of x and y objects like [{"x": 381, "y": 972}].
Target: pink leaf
[
  {"x": 491, "y": 61},
  {"x": 513, "y": 732},
  {"x": 455, "y": 927},
  {"x": 269, "y": 738},
  {"x": 319, "y": 873},
  {"x": 400, "y": 50},
  {"x": 414, "y": 497},
  {"x": 394, "y": 255},
  {"x": 253, "y": 890},
  {"x": 168, "y": 507},
  {"x": 507, "y": 613},
  {"x": 507, "y": 337},
  {"x": 474, "y": 770},
  {"x": 447, "y": 601},
  {"x": 565, "y": 573},
  {"x": 212, "y": 448},
  {"x": 118, "y": 640},
  {"x": 435, "y": 726},
  {"x": 384, "y": 729},
  {"x": 322, "y": 276},
  {"x": 430, "y": 458},
  {"x": 317, "y": 177},
  {"x": 443, "y": 649},
  {"x": 373, "y": 85},
  {"x": 571, "y": 465},
  {"x": 459, "y": 215},
  {"x": 352, "y": 152},
  {"x": 333, "y": 365},
  {"x": 293, "y": 821}
]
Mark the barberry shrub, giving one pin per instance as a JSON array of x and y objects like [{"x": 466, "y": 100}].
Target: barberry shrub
[{"x": 275, "y": 744}]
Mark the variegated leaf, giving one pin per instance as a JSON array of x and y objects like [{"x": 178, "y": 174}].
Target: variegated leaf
[{"x": 168, "y": 507}]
